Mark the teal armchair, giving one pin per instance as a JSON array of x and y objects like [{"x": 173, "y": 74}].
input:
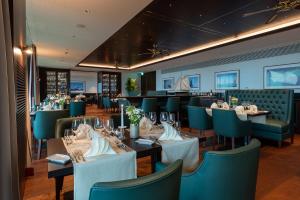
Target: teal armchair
[
  {"x": 163, "y": 185},
  {"x": 226, "y": 175},
  {"x": 173, "y": 105},
  {"x": 149, "y": 105},
  {"x": 44, "y": 125},
  {"x": 77, "y": 108},
  {"x": 195, "y": 101},
  {"x": 227, "y": 124},
  {"x": 198, "y": 118}
]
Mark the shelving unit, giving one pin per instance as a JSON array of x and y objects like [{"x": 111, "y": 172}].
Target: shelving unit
[{"x": 53, "y": 81}]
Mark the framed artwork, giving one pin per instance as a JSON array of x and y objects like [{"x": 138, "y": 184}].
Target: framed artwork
[
  {"x": 282, "y": 76},
  {"x": 77, "y": 86},
  {"x": 227, "y": 80},
  {"x": 168, "y": 83},
  {"x": 194, "y": 81}
]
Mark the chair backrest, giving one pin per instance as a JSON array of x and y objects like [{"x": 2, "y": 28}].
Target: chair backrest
[
  {"x": 66, "y": 123},
  {"x": 195, "y": 101},
  {"x": 279, "y": 101},
  {"x": 77, "y": 108},
  {"x": 124, "y": 102},
  {"x": 173, "y": 104},
  {"x": 226, "y": 123},
  {"x": 45, "y": 121},
  {"x": 226, "y": 175},
  {"x": 117, "y": 120},
  {"x": 198, "y": 118},
  {"x": 163, "y": 185},
  {"x": 149, "y": 105}
]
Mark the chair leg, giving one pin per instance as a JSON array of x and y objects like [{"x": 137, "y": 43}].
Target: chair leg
[
  {"x": 232, "y": 143},
  {"x": 39, "y": 149}
]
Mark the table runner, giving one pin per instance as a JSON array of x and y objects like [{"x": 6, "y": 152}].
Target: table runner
[
  {"x": 102, "y": 168},
  {"x": 187, "y": 149}
]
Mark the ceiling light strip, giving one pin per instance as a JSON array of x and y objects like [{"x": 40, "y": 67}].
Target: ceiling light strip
[{"x": 223, "y": 41}]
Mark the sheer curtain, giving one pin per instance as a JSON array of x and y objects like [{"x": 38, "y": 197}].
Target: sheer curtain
[{"x": 9, "y": 174}]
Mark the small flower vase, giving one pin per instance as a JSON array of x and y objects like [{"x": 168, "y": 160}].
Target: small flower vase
[
  {"x": 61, "y": 106},
  {"x": 134, "y": 131}
]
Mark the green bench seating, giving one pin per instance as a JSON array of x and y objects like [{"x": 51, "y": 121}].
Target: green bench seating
[{"x": 279, "y": 102}]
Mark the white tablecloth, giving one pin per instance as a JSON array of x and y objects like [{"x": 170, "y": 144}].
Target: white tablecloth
[
  {"x": 187, "y": 149},
  {"x": 103, "y": 168}
]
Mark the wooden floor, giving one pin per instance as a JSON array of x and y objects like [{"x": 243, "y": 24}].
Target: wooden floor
[{"x": 278, "y": 176}]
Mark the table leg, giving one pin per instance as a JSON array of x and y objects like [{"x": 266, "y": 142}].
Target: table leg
[
  {"x": 58, "y": 186},
  {"x": 155, "y": 157}
]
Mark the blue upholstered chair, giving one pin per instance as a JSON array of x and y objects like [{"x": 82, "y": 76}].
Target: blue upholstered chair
[
  {"x": 149, "y": 105},
  {"x": 227, "y": 124},
  {"x": 163, "y": 185},
  {"x": 44, "y": 125},
  {"x": 195, "y": 101},
  {"x": 123, "y": 102},
  {"x": 226, "y": 175},
  {"x": 77, "y": 108},
  {"x": 173, "y": 105}
]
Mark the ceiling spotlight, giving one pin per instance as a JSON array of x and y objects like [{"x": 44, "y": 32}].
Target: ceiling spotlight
[
  {"x": 87, "y": 11},
  {"x": 80, "y": 25}
]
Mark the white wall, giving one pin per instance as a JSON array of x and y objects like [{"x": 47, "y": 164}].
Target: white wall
[
  {"x": 90, "y": 79},
  {"x": 251, "y": 72}
]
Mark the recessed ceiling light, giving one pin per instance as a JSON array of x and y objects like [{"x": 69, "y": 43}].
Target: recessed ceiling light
[
  {"x": 80, "y": 25},
  {"x": 73, "y": 36},
  {"x": 87, "y": 11}
]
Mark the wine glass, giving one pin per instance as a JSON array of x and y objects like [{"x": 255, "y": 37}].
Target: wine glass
[
  {"x": 109, "y": 125},
  {"x": 98, "y": 124},
  {"x": 87, "y": 121},
  {"x": 153, "y": 117},
  {"x": 172, "y": 118},
  {"x": 67, "y": 134},
  {"x": 163, "y": 117},
  {"x": 75, "y": 124}
]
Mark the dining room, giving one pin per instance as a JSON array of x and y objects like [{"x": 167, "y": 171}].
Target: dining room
[{"x": 150, "y": 99}]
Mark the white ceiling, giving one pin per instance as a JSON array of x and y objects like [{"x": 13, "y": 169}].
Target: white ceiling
[{"x": 53, "y": 27}]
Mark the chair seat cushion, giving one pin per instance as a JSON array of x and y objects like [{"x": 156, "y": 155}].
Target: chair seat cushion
[{"x": 272, "y": 125}]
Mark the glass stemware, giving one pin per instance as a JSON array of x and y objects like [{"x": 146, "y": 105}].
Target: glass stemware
[
  {"x": 109, "y": 125},
  {"x": 172, "y": 119},
  {"x": 87, "y": 121},
  {"x": 75, "y": 124},
  {"x": 98, "y": 124},
  {"x": 163, "y": 117},
  {"x": 152, "y": 117},
  {"x": 67, "y": 136}
]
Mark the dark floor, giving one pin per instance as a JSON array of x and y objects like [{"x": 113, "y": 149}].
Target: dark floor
[{"x": 278, "y": 176}]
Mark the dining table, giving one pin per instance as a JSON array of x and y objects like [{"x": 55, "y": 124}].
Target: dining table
[{"x": 59, "y": 171}]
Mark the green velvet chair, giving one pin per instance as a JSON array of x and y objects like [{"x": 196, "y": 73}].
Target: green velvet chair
[
  {"x": 77, "y": 108},
  {"x": 195, "y": 101},
  {"x": 279, "y": 124},
  {"x": 163, "y": 185},
  {"x": 44, "y": 125},
  {"x": 223, "y": 175},
  {"x": 66, "y": 123},
  {"x": 117, "y": 120},
  {"x": 149, "y": 105},
  {"x": 198, "y": 118},
  {"x": 173, "y": 105},
  {"x": 226, "y": 123}
]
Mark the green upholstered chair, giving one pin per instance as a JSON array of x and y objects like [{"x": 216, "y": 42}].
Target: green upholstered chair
[
  {"x": 279, "y": 123},
  {"x": 195, "y": 101},
  {"x": 44, "y": 125},
  {"x": 226, "y": 123},
  {"x": 123, "y": 102},
  {"x": 149, "y": 105},
  {"x": 66, "y": 123},
  {"x": 117, "y": 120},
  {"x": 198, "y": 118},
  {"x": 77, "y": 108},
  {"x": 226, "y": 175},
  {"x": 173, "y": 105},
  {"x": 163, "y": 185}
]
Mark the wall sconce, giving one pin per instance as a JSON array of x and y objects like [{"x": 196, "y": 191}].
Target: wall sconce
[{"x": 19, "y": 51}]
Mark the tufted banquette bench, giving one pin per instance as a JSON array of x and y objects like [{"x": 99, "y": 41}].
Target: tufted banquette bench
[{"x": 279, "y": 102}]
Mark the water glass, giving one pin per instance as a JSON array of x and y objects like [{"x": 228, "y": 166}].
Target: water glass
[
  {"x": 67, "y": 134},
  {"x": 152, "y": 117},
  {"x": 109, "y": 125},
  {"x": 98, "y": 124},
  {"x": 163, "y": 117},
  {"x": 75, "y": 124},
  {"x": 87, "y": 120},
  {"x": 172, "y": 118}
]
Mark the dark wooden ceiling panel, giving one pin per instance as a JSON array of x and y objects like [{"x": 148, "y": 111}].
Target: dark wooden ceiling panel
[{"x": 176, "y": 25}]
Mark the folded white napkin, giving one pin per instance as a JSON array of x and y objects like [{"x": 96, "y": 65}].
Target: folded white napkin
[
  {"x": 146, "y": 123},
  {"x": 170, "y": 133},
  {"x": 225, "y": 106},
  {"x": 47, "y": 107},
  {"x": 144, "y": 141},
  {"x": 99, "y": 146},
  {"x": 239, "y": 110},
  {"x": 83, "y": 131},
  {"x": 253, "y": 108},
  {"x": 214, "y": 105}
]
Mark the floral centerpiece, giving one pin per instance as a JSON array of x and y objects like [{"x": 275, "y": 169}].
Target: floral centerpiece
[
  {"x": 234, "y": 101},
  {"x": 135, "y": 115}
]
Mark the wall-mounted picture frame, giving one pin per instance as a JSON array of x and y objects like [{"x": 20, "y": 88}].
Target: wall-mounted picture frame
[
  {"x": 286, "y": 76},
  {"x": 194, "y": 81},
  {"x": 77, "y": 87},
  {"x": 168, "y": 83},
  {"x": 227, "y": 80}
]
